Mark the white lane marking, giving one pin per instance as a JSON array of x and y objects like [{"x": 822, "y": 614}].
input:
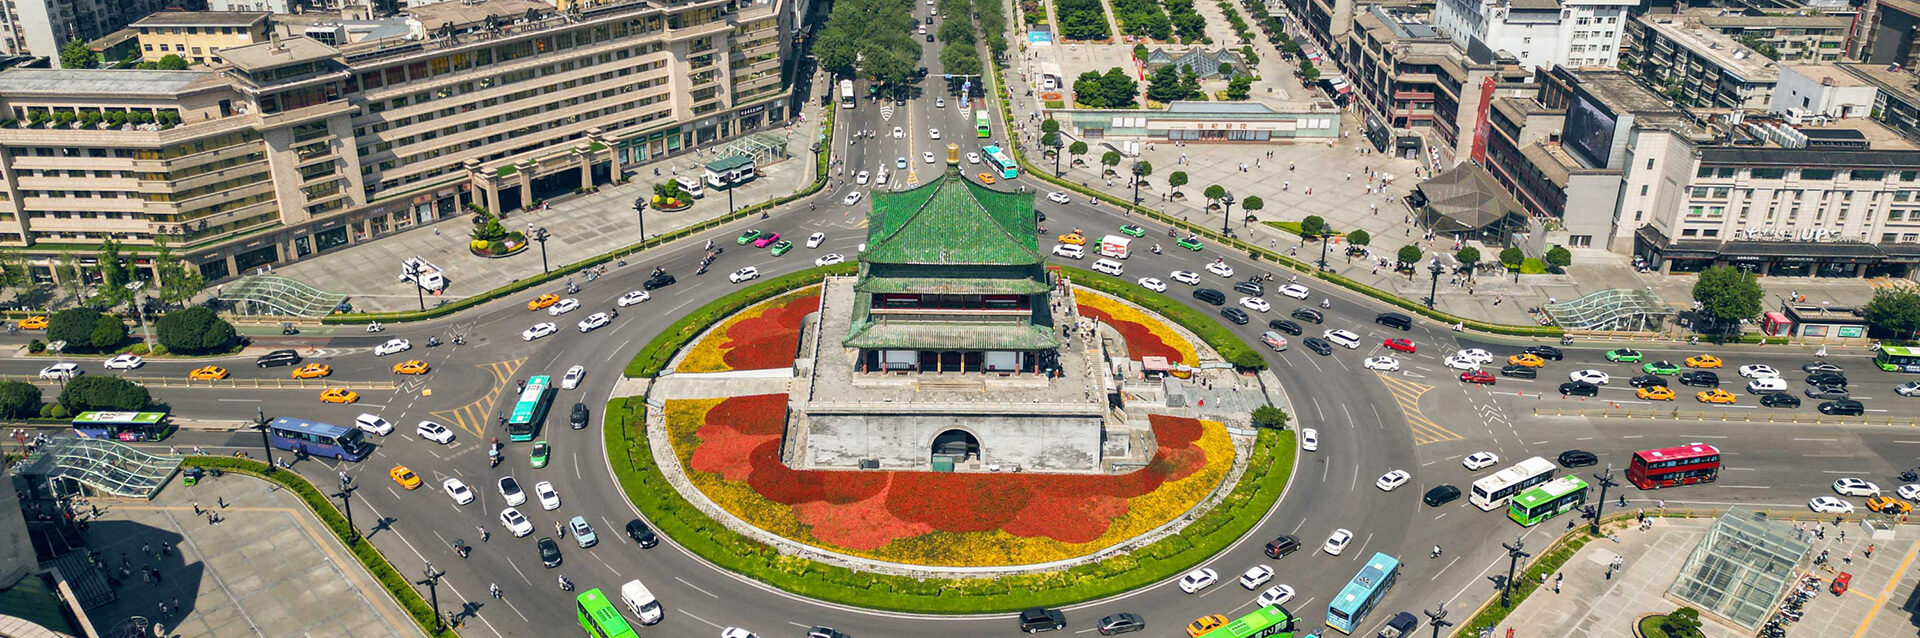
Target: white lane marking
[
  {"x": 1824, "y": 440},
  {"x": 683, "y": 581},
  {"x": 684, "y": 612},
  {"x": 1443, "y": 570},
  {"x": 1634, "y": 436},
  {"x": 240, "y": 400}
]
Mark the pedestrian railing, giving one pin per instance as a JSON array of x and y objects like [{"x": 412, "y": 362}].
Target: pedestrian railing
[
  {"x": 271, "y": 384},
  {"x": 1731, "y": 417}
]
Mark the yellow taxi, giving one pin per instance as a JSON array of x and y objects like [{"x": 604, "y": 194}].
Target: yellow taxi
[
  {"x": 312, "y": 371},
  {"x": 405, "y": 477},
  {"x": 339, "y": 395},
  {"x": 1655, "y": 393},
  {"x": 1888, "y": 505},
  {"x": 1205, "y": 624},
  {"x": 412, "y": 366},
  {"x": 543, "y": 301},
  {"x": 1528, "y": 360},
  {"x": 1715, "y": 395},
  {"x": 1705, "y": 361},
  {"x": 986, "y": 178},
  {"x": 209, "y": 373},
  {"x": 1075, "y": 238},
  {"x": 36, "y": 322}
]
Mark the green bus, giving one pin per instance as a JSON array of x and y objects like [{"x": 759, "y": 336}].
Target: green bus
[
  {"x": 1271, "y": 620},
  {"x": 982, "y": 126},
  {"x": 531, "y": 410},
  {"x": 1898, "y": 359},
  {"x": 600, "y": 618},
  {"x": 1550, "y": 499}
]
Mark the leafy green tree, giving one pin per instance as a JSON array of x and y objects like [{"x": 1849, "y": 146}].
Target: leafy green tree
[
  {"x": 114, "y": 274},
  {"x": 1270, "y": 417},
  {"x": 104, "y": 392},
  {"x": 1049, "y": 125},
  {"x": 14, "y": 273},
  {"x": 1165, "y": 86},
  {"x": 74, "y": 326},
  {"x": 1214, "y": 193},
  {"x": 1559, "y": 258},
  {"x": 1356, "y": 240},
  {"x": 172, "y": 62},
  {"x": 1312, "y": 226},
  {"x": 178, "y": 280},
  {"x": 1727, "y": 294},
  {"x": 1050, "y": 139},
  {"x": 1468, "y": 256},
  {"x": 76, "y": 54},
  {"x": 1074, "y": 150},
  {"x": 1140, "y": 51},
  {"x": 1240, "y": 87},
  {"x": 1110, "y": 159},
  {"x": 108, "y": 332},
  {"x": 1308, "y": 73},
  {"x": 195, "y": 330},
  {"x": 1682, "y": 623},
  {"x": 19, "y": 400},
  {"x": 1120, "y": 89},
  {"x": 1253, "y": 203},
  {"x": 1511, "y": 257},
  {"x": 1409, "y": 255},
  {"x": 1089, "y": 90},
  {"x": 1177, "y": 179},
  {"x": 1142, "y": 169},
  {"x": 1895, "y": 311}
]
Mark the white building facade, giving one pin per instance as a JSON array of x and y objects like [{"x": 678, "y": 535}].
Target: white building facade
[{"x": 1540, "y": 33}]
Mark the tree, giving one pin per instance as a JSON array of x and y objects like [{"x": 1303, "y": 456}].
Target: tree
[
  {"x": 108, "y": 332},
  {"x": 1075, "y": 149},
  {"x": 1468, "y": 257},
  {"x": 172, "y": 62},
  {"x": 1894, "y": 310},
  {"x": 1089, "y": 90},
  {"x": 1308, "y": 73},
  {"x": 74, "y": 326},
  {"x": 1050, "y": 139},
  {"x": 1120, "y": 89},
  {"x": 1409, "y": 255},
  {"x": 1214, "y": 193},
  {"x": 1167, "y": 85},
  {"x": 1049, "y": 125},
  {"x": 1312, "y": 226},
  {"x": 76, "y": 54},
  {"x": 72, "y": 279},
  {"x": 195, "y": 330},
  {"x": 1253, "y": 203},
  {"x": 1177, "y": 179},
  {"x": 1140, "y": 52},
  {"x": 19, "y": 400},
  {"x": 1356, "y": 240},
  {"x": 114, "y": 274},
  {"x": 178, "y": 281},
  {"x": 1727, "y": 294},
  {"x": 1267, "y": 416},
  {"x": 1142, "y": 169},
  {"x": 14, "y": 275},
  {"x": 1682, "y": 623},
  {"x": 1559, "y": 258},
  {"x": 1240, "y": 87},
  {"x": 1511, "y": 257},
  {"x": 104, "y": 392},
  {"x": 1110, "y": 159}
]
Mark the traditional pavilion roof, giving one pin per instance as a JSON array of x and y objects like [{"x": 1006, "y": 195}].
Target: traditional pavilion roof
[
  {"x": 953, "y": 285},
  {"x": 917, "y": 335},
  {"x": 952, "y": 221}
]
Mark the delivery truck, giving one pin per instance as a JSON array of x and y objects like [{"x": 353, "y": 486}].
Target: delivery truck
[
  {"x": 419, "y": 271},
  {"x": 1115, "y": 246}
]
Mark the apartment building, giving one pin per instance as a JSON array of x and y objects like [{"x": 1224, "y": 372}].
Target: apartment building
[
  {"x": 1538, "y": 33},
  {"x": 1794, "y": 38},
  {"x": 198, "y": 35},
  {"x": 1413, "y": 83},
  {"x": 292, "y": 147},
  {"x": 39, "y": 27},
  {"x": 1896, "y": 99},
  {"x": 1888, "y": 32},
  {"x": 1701, "y": 67}
]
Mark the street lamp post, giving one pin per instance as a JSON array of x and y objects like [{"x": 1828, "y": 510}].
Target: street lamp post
[
  {"x": 1606, "y": 480},
  {"x": 640, "y": 208},
  {"x": 1513, "y": 561},
  {"x": 346, "y": 503},
  {"x": 413, "y": 272},
  {"x": 266, "y": 441},
  {"x": 432, "y": 580},
  {"x": 133, "y": 287},
  {"x": 1323, "y": 249},
  {"x": 1226, "y": 214},
  {"x": 1435, "y": 268},
  {"x": 1437, "y": 617},
  {"x": 1056, "y": 156},
  {"x": 730, "y": 209},
  {"x": 540, "y": 235}
]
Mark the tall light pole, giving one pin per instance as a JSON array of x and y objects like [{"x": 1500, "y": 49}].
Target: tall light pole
[
  {"x": 1136, "y": 181},
  {"x": 1437, "y": 617},
  {"x": 640, "y": 208},
  {"x": 431, "y": 579},
  {"x": 266, "y": 441},
  {"x": 346, "y": 502},
  {"x": 1226, "y": 214},
  {"x": 1433, "y": 267},
  {"x": 1056, "y": 155},
  {"x": 133, "y": 300},
  {"x": 1606, "y": 480},
  {"x": 540, "y": 235},
  {"x": 1323, "y": 249},
  {"x": 1513, "y": 561},
  {"x": 413, "y": 272}
]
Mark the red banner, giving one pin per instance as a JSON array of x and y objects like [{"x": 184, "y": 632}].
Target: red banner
[{"x": 1480, "y": 127}]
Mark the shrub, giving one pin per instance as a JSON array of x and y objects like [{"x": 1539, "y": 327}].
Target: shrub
[
  {"x": 19, "y": 400},
  {"x": 104, "y": 393},
  {"x": 195, "y": 330},
  {"x": 74, "y": 326},
  {"x": 59, "y": 411},
  {"x": 1267, "y": 416},
  {"x": 36, "y": 346},
  {"x": 107, "y": 333}
]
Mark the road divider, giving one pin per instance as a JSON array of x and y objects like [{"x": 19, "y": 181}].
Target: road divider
[
  {"x": 1735, "y": 417},
  {"x": 266, "y": 384}
]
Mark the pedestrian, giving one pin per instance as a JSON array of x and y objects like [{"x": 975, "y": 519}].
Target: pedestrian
[
  {"x": 146, "y": 548},
  {"x": 156, "y": 577},
  {"x": 1843, "y": 536},
  {"x": 1869, "y": 551},
  {"x": 123, "y": 560},
  {"x": 166, "y": 548},
  {"x": 1849, "y": 557},
  {"x": 196, "y": 508},
  {"x": 163, "y": 610},
  {"x": 176, "y": 603},
  {"x": 146, "y": 574},
  {"x": 221, "y": 501}
]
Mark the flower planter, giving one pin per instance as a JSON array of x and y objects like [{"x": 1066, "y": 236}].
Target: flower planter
[{"x": 514, "y": 250}]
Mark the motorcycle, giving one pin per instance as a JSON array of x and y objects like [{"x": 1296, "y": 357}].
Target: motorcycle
[
  {"x": 1326, "y": 303},
  {"x": 572, "y": 289},
  {"x": 375, "y": 327},
  {"x": 702, "y": 270},
  {"x": 1909, "y": 476},
  {"x": 1156, "y": 249},
  {"x": 493, "y": 458},
  {"x": 288, "y": 329},
  {"x": 459, "y": 340},
  {"x": 433, "y": 341}
]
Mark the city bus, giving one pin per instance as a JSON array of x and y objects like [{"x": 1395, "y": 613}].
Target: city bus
[
  {"x": 1493, "y": 491},
  {"x": 1551, "y": 499},
  {"x": 1271, "y": 620},
  {"x": 531, "y": 410},
  {"x": 1898, "y": 359},
  {"x": 313, "y": 438},
  {"x": 983, "y": 126},
  {"x": 1366, "y": 590},
  {"x": 1001, "y": 161},
  {"x": 1667, "y": 467},
  {"x": 123, "y": 426},
  {"x": 599, "y": 617},
  {"x": 846, "y": 94}
]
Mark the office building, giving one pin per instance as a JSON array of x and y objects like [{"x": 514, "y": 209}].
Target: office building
[
  {"x": 40, "y": 27},
  {"x": 1413, "y": 83},
  {"x": 1538, "y": 33},
  {"x": 1896, "y": 100},
  {"x": 1886, "y": 33},
  {"x": 1792, "y": 37},
  {"x": 1700, "y": 67},
  {"x": 198, "y": 35}
]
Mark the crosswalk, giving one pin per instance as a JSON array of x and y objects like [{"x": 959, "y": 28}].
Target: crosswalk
[
  {"x": 475, "y": 417},
  {"x": 1407, "y": 394}
]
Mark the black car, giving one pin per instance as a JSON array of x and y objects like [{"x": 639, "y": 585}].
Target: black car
[
  {"x": 1518, "y": 371},
  {"x": 1821, "y": 366},
  {"x": 929, "y": 37},
  {"x": 1280, "y": 547},
  {"x": 1250, "y": 288},
  {"x": 1827, "y": 378},
  {"x": 1121, "y": 623},
  {"x": 278, "y": 358},
  {"x": 661, "y": 280},
  {"x": 1578, "y": 458},
  {"x": 826, "y": 632},
  {"x": 1040, "y": 619},
  {"x": 1700, "y": 379},
  {"x": 1285, "y": 326},
  {"x": 1827, "y": 392},
  {"x": 1440, "y": 495},
  {"x": 1394, "y": 320},
  {"x": 1648, "y": 381},
  {"x": 1235, "y": 315},
  {"x": 1843, "y": 407},
  {"x": 549, "y": 552},
  {"x": 579, "y": 416},
  {"x": 1549, "y": 353},
  {"x": 1318, "y": 346},
  {"x": 1210, "y": 295},
  {"x": 1579, "y": 389},
  {"x": 1779, "y": 400},
  {"x": 641, "y": 534},
  {"x": 1308, "y": 315}
]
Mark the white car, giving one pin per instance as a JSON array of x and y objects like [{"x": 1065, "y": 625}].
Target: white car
[
  {"x": 1595, "y": 377},
  {"x": 1477, "y": 355},
  {"x": 1908, "y": 389},
  {"x": 515, "y": 522},
  {"x": 593, "y": 321},
  {"x": 1295, "y": 291},
  {"x": 829, "y": 259},
  {"x": 1187, "y": 277},
  {"x": 373, "y": 424},
  {"x": 927, "y": 155},
  {"x": 939, "y": 102},
  {"x": 932, "y": 132},
  {"x": 814, "y": 240},
  {"x": 572, "y": 380},
  {"x": 1152, "y": 284},
  {"x": 549, "y": 499},
  {"x": 1310, "y": 439},
  {"x": 899, "y": 133},
  {"x": 744, "y": 274},
  {"x": 736, "y": 632},
  {"x": 1275, "y": 595},
  {"x": 1829, "y": 505},
  {"x": 433, "y": 432},
  {"x": 392, "y": 346},
  {"x": 853, "y": 197},
  {"x": 565, "y": 306},
  {"x": 458, "y": 491},
  {"x": 1480, "y": 461},
  {"x": 1910, "y": 491},
  {"x": 1758, "y": 371},
  {"x": 882, "y": 177},
  {"x": 1337, "y": 542},
  {"x": 1059, "y": 197},
  {"x": 1255, "y": 304},
  {"x": 1855, "y": 487},
  {"x": 1343, "y": 337},
  {"x": 125, "y": 362},
  {"x": 1069, "y": 251},
  {"x": 1457, "y": 362},
  {"x": 973, "y": 158},
  {"x": 510, "y": 489},
  {"x": 1198, "y": 579},
  {"x": 632, "y": 298},
  {"x": 862, "y": 178},
  {"x": 1221, "y": 269},
  {"x": 539, "y": 330},
  {"x": 1392, "y": 480},
  {"x": 1255, "y": 577},
  {"x": 61, "y": 371},
  {"x": 1383, "y": 364}
]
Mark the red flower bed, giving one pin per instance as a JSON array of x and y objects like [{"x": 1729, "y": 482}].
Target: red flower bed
[
  {"x": 770, "y": 340},
  {"x": 1141, "y": 342}
]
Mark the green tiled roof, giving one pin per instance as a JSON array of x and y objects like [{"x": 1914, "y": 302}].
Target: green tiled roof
[
  {"x": 952, "y": 285},
  {"x": 904, "y": 335},
  {"x": 952, "y": 221},
  {"x": 728, "y": 163}
]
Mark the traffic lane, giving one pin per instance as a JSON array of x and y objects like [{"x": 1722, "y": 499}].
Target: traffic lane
[{"x": 1867, "y": 382}]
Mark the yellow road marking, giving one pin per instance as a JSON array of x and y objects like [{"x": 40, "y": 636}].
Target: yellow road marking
[
  {"x": 474, "y": 417},
  {"x": 1884, "y": 594},
  {"x": 1407, "y": 394}
]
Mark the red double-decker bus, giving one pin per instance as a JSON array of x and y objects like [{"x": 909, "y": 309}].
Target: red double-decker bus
[{"x": 1667, "y": 467}]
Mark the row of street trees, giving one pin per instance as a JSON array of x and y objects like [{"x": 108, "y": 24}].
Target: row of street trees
[
  {"x": 873, "y": 38},
  {"x": 1726, "y": 294}
]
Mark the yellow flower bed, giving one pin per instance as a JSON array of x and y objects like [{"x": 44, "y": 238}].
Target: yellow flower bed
[
  {"x": 1122, "y": 311},
  {"x": 710, "y": 354}
]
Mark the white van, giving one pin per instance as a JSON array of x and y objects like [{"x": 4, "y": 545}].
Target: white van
[
  {"x": 692, "y": 186},
  {"x": 641, "y": 602},
  {"x": 1070, "y": 251},
  {"x": 1764, "y": 385},
  {"x": 1108, "y": 266},
  {"x": 1343, "y": 337},
  {"x": 373, "y": 424}
]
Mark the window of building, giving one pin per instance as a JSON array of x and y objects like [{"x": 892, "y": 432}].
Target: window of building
[{"x": 1819, "y": 174}]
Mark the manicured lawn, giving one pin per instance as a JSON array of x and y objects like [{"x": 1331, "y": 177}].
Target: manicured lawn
[
  {"x": 1650, "y": 626},
  {"x": 1294, "y": 227}
]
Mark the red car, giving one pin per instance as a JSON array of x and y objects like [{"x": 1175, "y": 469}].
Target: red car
[
  {"x": 1403, "y": 345},
  {"x": 1481, "y": 377},
  {"x": 1840, "y": 583}
]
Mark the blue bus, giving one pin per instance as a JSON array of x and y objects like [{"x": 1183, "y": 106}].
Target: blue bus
[
  {"x": 531, "y": 410},
  {"x": 1366, "y": 590},
  {"x": 318, "y": 439},
  {"x": 1001, "y": 161}
]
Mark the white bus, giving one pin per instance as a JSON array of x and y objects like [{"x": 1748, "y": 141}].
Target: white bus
[
  {"x": 846, "y": 94},
  {"x": 1494, "y": 491}
]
